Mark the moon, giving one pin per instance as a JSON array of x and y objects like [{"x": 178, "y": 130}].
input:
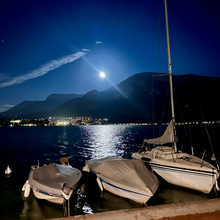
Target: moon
[{"x": 102, "y": 74}]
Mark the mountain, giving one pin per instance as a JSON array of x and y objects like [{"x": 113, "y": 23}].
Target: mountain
[
  {"x": 120, "y": 103},
  {"x": 37, "y": 109},
  {"x": 143, "y": 95},
  {"x": 137, "y": 99}
]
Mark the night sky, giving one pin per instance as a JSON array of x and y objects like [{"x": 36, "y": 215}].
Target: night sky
[{"x": 51, "y": 46}]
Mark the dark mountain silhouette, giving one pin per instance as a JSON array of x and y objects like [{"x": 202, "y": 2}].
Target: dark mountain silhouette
[
  {"x": 140, "y": 98},
  {"x": 36, "y": 109}
]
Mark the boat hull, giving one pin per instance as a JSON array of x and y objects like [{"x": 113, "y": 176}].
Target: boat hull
[
  {"x": 202, "y": 181},
  {"x": 49, "y": 198},
  {"x": 181, "y": 169},
  {"x": 137, "y": 197}
]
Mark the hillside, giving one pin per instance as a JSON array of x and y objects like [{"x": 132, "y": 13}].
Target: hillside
[{"x": 136, "y": 99}]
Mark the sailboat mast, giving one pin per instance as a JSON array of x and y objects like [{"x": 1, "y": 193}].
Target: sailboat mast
[{"x": 170, "y": 75}]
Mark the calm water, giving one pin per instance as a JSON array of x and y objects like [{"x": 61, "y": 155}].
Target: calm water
[{"x": 21, "y": 147}]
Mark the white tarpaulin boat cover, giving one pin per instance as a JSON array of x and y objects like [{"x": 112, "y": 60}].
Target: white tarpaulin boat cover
[
  {"x": 128, "y": 174},
  {"x": 54, "y": 178},
  {"x": 167, "y": 137}
]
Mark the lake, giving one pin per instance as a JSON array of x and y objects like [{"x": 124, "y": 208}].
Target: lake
[{"x": 21, "y": 147}]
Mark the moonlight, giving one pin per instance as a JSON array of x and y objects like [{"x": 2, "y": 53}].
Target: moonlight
[{"x": 102, "y": 75}]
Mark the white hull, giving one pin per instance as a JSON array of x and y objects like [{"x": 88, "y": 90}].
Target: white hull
[
  {"x": 191, "y": 179},
  {"x": 53, "y": 199},
  {"x": 137, "y": 197},
  {"x": 197, "y": 175}
]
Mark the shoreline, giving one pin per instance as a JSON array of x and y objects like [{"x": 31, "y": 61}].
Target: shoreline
[{"x": 204, "y": 209}]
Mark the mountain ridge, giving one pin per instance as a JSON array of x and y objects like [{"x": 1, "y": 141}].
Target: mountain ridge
[{"x": 132, "y": 100}]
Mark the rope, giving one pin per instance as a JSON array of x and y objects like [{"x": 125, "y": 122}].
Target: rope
[
  {"x": 187, "y": 137},
  {"x": 190, "y": 131},
  {"x": 153, "y": 101},
  {"x": 204, "y": 120}
]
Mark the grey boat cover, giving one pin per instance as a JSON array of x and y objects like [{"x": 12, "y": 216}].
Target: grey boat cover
[
  {"x": 167, "y": 137},
  {"x": 54, "y": 178},
  {"x": 128, "y": 174}
]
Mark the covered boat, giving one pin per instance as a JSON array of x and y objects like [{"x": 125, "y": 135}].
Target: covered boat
[
  {"x": 53, "y": 182},
  {"x": 124, "y": 177}
]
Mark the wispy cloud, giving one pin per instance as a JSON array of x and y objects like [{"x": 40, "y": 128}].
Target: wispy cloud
[
  {"x": 85, "y": 50},
  {"x": 99, "y": 42},
  {"x": 4, "y": 106},
  {"x": 52, "y": 65}
]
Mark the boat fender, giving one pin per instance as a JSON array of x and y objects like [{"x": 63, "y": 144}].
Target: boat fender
[
  {"x": 67, "y": 197},
  {"x": 27, "y": 190},
  {"x": 8, "y": 170},
  {"x": 216, "y": 185},
  {"x": 24, "y": 186},
  {"x": 83, "y": 189},
  {"x": 99, "y": 183},
  {"x": 154, "y": 155},
  {"x": 86, "y": 168}
]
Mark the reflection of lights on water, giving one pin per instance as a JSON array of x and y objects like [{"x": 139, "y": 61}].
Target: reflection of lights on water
[
  {"x": 87, "y": 209},
  {"x": 103, "y": 141},
  {"x": 79, "y": 205}
]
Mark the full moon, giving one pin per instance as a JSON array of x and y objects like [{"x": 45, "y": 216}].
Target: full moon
[{"x": 102, "y": 75}]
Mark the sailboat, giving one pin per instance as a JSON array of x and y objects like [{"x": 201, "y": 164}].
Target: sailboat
[{"x": 176, "y": 167}]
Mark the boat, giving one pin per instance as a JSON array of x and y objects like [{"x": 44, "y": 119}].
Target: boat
[
  {"x": 127, "y": 178},
  {"x": 53, "y": 182},
  {"x": 176, "y": 167},
  {"x": 8, "y": 171}
]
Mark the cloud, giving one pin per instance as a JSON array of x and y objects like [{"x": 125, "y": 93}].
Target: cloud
[
  {"x": 99, "y": 42},
  {"x": 52, "y": 65},
  {"x": 85, "y": 50},
  {"x": 4, "y": 106}
]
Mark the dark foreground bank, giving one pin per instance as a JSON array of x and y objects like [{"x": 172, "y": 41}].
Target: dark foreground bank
[{"x": 196, "y": 210}]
